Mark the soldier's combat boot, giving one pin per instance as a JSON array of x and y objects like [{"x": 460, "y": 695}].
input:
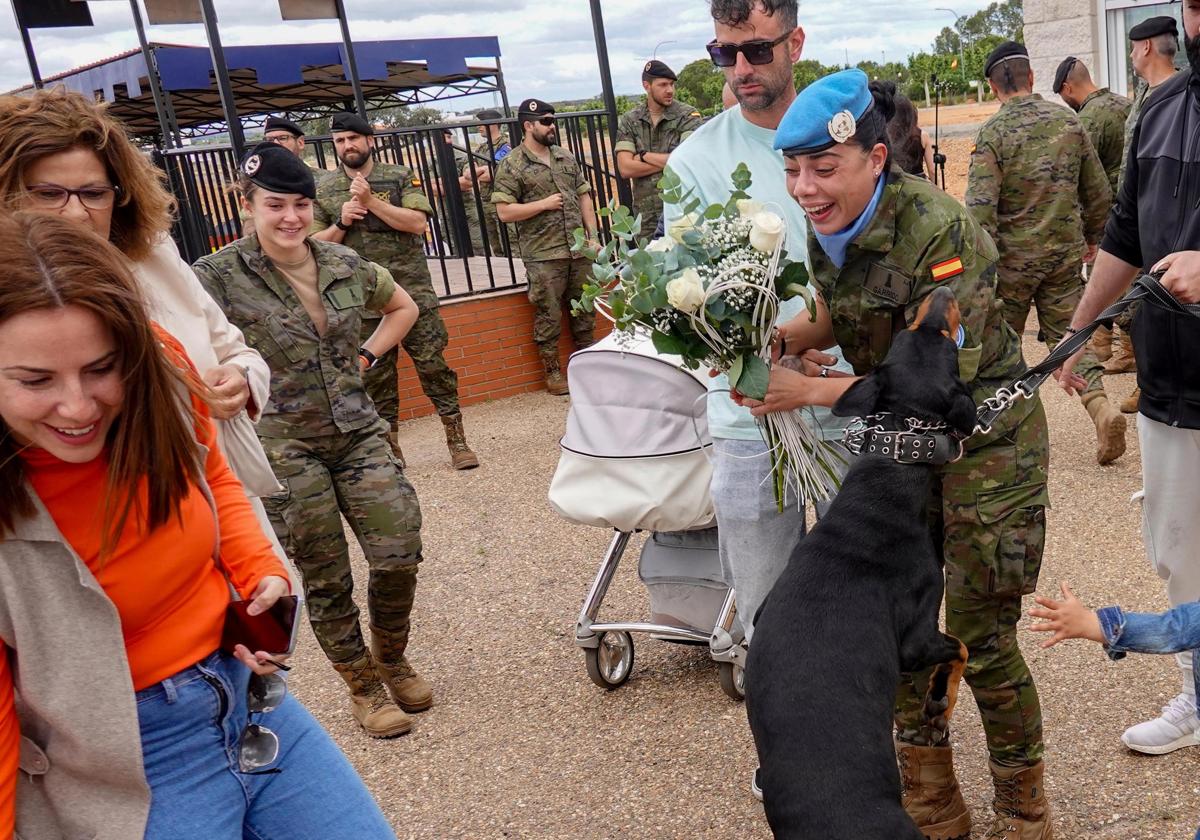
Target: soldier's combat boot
[
  {"x": 556, "y": 383},
  {"x": 1122, "y": 356},
  {"x": 1022, "y": 812},
  {"x": 393, "y": 439},
  {"x": 369, "y": 701},
  {"x": 1102, "y": 343},
  {"x": 406, "y": 686},
  {"x": 1129, "y": 405},
  {"x": 1110, "y": 427},
  {"x": 461, "y": 455},
  {"x": 929, "y": 792}
]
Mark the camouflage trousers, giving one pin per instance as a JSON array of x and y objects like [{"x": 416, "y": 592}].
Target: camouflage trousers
[
  {"x": 988, "y": 517},
  {"x": 553, "y": 284},
  {"x": 424, "y": 345},
  {"x": 353, "y": 475},
  {"x": 651, "y": 208},
  {"x": 1055, "y": 289},
  {"x": 495, "y": 241}
]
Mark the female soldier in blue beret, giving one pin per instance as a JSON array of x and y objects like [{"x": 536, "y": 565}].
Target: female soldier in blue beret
[{"x": 880, "y": 242}]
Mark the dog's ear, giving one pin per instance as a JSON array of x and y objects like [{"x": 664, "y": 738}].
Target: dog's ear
[
  {"x": 860, "y": 399},
  {"x": 962, "y": 411}
]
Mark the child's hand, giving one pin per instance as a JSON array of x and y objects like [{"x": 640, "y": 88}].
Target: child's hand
[{"x": 1066, "y": 619}]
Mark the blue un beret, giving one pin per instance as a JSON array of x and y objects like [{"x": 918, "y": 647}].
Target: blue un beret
[{"x": 824, "y": 113}]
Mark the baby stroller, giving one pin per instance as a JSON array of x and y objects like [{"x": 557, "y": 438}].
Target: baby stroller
[{"x": 634, "y": 458}]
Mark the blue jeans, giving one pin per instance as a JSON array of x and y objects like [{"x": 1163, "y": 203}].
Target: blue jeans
[{"x": 191, "y": 724}]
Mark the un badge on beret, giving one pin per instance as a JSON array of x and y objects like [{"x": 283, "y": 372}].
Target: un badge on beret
[
  {"x": 842, "y": 126},
  {"x": 251, "y": 165}
]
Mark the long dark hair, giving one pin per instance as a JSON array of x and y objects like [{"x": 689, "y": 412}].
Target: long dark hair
[
  {"x": 872, "y": 126},
  {"x": 905, "y": 134}
]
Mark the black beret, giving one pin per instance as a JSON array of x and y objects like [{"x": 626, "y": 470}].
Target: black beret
[
  {"x": 1161, "y": 25},
  {"x": 1007, "y": 50},
  {"x": 534, "y": 108},
  {"x": 1060, "y": 75},
  {"x": 280, "y": 124},
  {"x": 489, "y": 114},
  {"x": 277, "y": 170},
  {"x": 657, "y": 70},
  {"x": 350, "y": 122}
]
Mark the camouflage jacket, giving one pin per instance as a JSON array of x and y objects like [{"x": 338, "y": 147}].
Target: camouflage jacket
[
  {"x": 316, "y": 386},
  {"x": 636, "y": 132},
  {"x": 920, "y": 238},
  {"x": 403, "y": 254},
  {"x": 481, "y": 151},
  {"x": 522, "y": 178},
  {"x": 1035, "y": 183},
  {"x": 1103, "y": 115},
  {"x": 1135, "y": 109}
]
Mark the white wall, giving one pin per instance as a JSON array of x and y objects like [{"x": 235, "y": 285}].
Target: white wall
[{"x": 1055, "y": 29}]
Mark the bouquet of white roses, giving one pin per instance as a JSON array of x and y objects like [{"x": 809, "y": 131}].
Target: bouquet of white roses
[{"x": 709, "y": 292}]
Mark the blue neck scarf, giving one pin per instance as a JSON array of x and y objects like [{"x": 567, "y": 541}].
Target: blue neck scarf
[{"x": 835, "y": 244}]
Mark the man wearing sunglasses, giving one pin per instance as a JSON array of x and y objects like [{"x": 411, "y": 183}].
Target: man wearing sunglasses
[
  {"x": 540, "y": 187},
  {"x": 756, "y": 44}
]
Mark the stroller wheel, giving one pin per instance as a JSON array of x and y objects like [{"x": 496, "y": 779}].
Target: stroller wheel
[
  {"x": 611, "y": 662},
  {"x": 733, "y": 680}
]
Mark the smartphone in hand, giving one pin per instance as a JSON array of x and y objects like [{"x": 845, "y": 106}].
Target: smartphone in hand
[{"x": 273, "y": 631}]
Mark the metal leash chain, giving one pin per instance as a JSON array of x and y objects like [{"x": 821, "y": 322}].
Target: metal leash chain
[{"x": 857, "y": 430}]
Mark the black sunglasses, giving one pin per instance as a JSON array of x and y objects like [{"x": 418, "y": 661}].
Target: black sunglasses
[
  {"x": 756, "y": 52},
  {"x": 547, "y": 120}
]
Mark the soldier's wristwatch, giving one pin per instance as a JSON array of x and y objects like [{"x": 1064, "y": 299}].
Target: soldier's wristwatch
[
  {"x": 370, "y": 358},
  {"x": 642, "y": 156},
  {"x": 340, "y": 225}
]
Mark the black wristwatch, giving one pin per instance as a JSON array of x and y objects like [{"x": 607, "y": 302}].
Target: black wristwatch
[
  {"x": 340, "y": 225},
  {"x": 371, "y": 358},
  {"x": 642, "y": 157}
]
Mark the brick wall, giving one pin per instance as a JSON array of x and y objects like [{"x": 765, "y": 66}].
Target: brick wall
[{"x": 491, "y": 347}]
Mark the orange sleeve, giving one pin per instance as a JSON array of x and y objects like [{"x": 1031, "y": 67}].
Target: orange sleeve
[{"x": 10, "y": 749}]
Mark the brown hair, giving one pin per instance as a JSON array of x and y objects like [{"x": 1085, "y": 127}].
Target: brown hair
[
  {"x": 58, "y": 120},
  {"x": 50, "y": 263}
]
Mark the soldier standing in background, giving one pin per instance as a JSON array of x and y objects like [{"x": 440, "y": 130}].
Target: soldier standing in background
[
  {"x": 541, "y": 188},
  {"x": 647, "y": 134},
  {"x": 379, "y": 210},
  {"x": 1037, "y": 187},
  {"x": 494, "y": 146}
]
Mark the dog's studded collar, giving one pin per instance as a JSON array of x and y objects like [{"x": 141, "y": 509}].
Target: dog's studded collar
[{"x": 919, "y": 442}]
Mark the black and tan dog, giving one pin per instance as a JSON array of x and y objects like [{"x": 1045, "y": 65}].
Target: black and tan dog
[{"x": 858, "y": 605}]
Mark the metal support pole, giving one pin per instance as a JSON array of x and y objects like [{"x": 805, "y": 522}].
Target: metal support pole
[
  {"x": 152, "y": 73},
  {"x": 236, "y": 138},
  {"x": 503, "y": 87},
  {"x": 351, "y": 63},
  {"x": 610, "y": 99},
  {"x": 27, "y": 42}
]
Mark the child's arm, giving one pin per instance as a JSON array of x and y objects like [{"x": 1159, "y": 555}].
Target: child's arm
[
  {"x": 1174, "y": 631},
  {"x": 1066, "y": 619}
]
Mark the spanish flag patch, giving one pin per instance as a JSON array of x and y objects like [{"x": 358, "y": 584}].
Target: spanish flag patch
[
  {"x": 946, "y": 269},
  {"x": 416, "y": 182}
]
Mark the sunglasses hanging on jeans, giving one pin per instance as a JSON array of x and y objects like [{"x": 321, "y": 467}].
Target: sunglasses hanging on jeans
[
  {"x": 259, "y": 746},
  {"x": 756, "y": 52}
]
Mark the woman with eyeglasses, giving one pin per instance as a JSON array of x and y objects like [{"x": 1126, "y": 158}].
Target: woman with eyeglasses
[
  {"x": 880, "y": 243},
  {"x": 122, "y": 531},
  {"x": 61, "y": 154}
]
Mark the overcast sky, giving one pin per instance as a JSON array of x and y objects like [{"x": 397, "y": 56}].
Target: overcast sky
[{"x": 546, "y": 45}]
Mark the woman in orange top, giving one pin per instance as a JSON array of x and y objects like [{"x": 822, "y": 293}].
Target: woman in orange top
[{"x": 121, "y": 531}]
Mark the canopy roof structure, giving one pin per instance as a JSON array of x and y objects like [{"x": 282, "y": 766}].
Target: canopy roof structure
[{"x": 303, "y": 81}]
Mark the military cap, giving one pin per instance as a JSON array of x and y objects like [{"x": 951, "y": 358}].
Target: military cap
[
  {"x": 824, "y": 113},
  {"x": 1064, "y": 68},
  {"x": 346, "y": 121},
  {"x": 489, "y": 114},
  {"x": 280, "y": 124},
  {"x": 657, "y": 70},
  {"x": 277, "y": 170},
  {"x": 534, "y": 108},
  {"x": 1005, "y": 52},
  {"x": 1161, "y": 25}
]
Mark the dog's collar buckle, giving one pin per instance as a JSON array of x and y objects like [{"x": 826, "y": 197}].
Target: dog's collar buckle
[{"x": 919, "y": 443}]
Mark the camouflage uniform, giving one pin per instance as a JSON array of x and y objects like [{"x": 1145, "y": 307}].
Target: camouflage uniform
[
  {"x": 323, "y": 438},
  {"x": 480, "y": 152},
  {"x": 987, "y": 513},
  {"x": 403, "y": 254},
  {"x": 555, "y": 275},
  {"x": 637, "y": 132},
  {"x": 1037, "y": 187},
  {"x": 1104, "y": 114}
]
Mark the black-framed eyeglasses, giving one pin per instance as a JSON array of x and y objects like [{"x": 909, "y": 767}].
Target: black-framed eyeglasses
[
  {"x": 549, "y": 119},
  {"x": 279, "y": 138},
  {"x": 259, "y": 746},
  {"x": 756, "y": 52},
  {"x": 55, "y": 197}
]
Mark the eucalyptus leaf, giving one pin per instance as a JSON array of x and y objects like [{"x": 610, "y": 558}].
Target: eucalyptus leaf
[
  {"x": 754, "y": 377},
  {"x": 735, "y": 370},
  {"x": 665, "y": 343}
]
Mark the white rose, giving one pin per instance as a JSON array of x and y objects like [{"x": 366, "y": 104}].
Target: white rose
[
  {"x": 686, "y": 292},
  {"x": 766, "y": 231},
  {"x": 682, "y": 225},
  {"x": 747, "y": 207},
  {"x": 663, "y": 243}
]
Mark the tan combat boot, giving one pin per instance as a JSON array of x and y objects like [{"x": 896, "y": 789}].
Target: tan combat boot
[
  {"x": 461, "y": 455},
  {"x": 408, "y": 688},
  {"x": 1129, "y": 405},
  {"x": 1110, "y": 427},
  {"x": 556, "y": 383},
  {"x": 1102, "y": 343},
  {"x": 370, "y": 704},
  {"x": 1022, "y": 812},
  {"x": 1122, "y": 356},
  {"x": 929, "y": 792}
]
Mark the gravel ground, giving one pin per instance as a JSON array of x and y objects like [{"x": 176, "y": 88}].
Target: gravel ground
[{"x": 521, "y": 744}]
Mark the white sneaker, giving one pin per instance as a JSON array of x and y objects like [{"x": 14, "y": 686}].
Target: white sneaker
[
  {"x": 755, "y": 787},
  {"x": 1175, "y": 728}
]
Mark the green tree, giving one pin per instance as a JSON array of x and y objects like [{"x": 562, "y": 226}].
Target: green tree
[
  {"x": 700, "y": 84},
  {"x": 1002, "y": 20}
]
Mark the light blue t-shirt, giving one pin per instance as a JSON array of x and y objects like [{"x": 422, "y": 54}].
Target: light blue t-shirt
[{"x": 704, "y": 162}]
